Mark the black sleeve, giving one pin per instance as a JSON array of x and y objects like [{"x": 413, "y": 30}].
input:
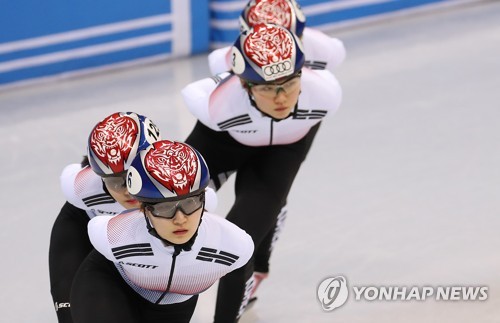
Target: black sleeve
[{"x": 69, "y": 245}]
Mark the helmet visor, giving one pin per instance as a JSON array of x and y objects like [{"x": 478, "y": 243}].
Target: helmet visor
[
  {"x": 271, "y": 89},
  {"x": 115, "y": 183},
  {"x": 167, "y": 210}
]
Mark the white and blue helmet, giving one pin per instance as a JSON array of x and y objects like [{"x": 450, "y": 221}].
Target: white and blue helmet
[
  {"x": 286, "y": 13},
  {"x": 114, "y": 141},
  {"x": 167, "y": 170},
  {"x": 266, "y": 53}
]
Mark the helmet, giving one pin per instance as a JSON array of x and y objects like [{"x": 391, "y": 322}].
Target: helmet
[
  {"x": 266, "y": 53},
  {"x": 286, "y": 13},
  {"x": 167, "y": 170},
  {"x": 115, "y": 141}
]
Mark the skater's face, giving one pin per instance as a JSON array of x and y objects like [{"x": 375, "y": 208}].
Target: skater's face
[
  {"x": 181, "y": 227},
  {"x": 118, "y": 190},
  {"x": 276, "y": 99}
]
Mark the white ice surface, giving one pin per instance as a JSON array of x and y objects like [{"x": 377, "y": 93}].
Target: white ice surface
[{"x": 401, "y": 187}]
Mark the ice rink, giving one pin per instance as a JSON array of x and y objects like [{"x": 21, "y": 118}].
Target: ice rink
[{"x": 401, "y": 187}]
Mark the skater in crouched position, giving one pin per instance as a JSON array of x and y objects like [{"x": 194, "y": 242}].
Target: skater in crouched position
[
  {"x": 321, "y": 51},
  {"x": 259, "y": 121},
  {"x": 150, "y": 264},
  {"x": 93, "y": 188}
]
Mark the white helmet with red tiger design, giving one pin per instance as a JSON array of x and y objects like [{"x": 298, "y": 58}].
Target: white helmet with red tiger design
[
  {"x": 286, "y": 13},
  {"x": 266, "y": 53},
  {"x": 167, "y": 170},
  {"x": 114, "y": 142}
]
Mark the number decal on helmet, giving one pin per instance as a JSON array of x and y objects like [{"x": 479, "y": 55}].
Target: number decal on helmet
[{"x": 152, "y": 131}]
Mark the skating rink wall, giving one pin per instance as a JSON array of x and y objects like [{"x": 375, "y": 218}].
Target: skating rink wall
[
  {"x": 325, "y": 15},
  {"x": 43, "y": 40},
  {"x": 39, "y": 39}
]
